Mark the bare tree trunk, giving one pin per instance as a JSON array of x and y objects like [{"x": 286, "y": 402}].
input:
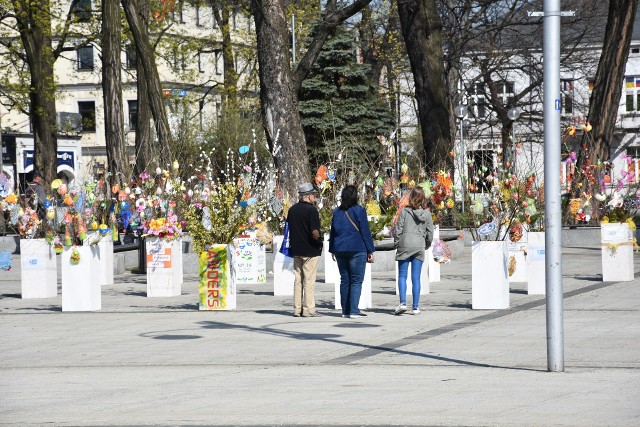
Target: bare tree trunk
[
  {"x": 117, "y": 160},
  {"x": 146, "y": 57},
  {"x": 279, "y": 86},
  {"x": 279, "y": 96},
  {"x": 143, "y": 123},
  {"x": 230, "y": 90},
  {"x": 422, "y": 32},
  {"x": 34, "y": 23},
  {"x": 605, "y": 98}
]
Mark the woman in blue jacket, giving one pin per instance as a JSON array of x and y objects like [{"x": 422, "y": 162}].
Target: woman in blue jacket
[{"x": 351, "y": 244}]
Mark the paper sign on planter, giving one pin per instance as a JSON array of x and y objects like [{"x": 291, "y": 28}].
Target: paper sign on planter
[
  {"x": 489, "y": 276},
  {"x": 365, "y": 295},
  {"x": 164, "y": 267},
  {"x": 39, "y": 272},
  {"x": 425, "y": 279},
  {"x": 283, "y": 270},
  {"x": 249, "y": 259},
  {"x": 536, "y": 281},
  {"x": 217, "y": 288},
  {"x": 80, "y": 292},
  {"x": 617, "y": 252}
]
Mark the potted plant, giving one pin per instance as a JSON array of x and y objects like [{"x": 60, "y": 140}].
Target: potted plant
[
  {"x": 223, "y": 204},
  {"x": 158, "y": 203}
]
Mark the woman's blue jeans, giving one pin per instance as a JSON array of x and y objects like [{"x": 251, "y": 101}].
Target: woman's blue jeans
[
  {"x": 403, "y": 272},
  {"x": 352, "y": 266}
]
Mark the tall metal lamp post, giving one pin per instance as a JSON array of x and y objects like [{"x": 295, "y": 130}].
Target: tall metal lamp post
[
  {"x": 460, "y": 112},
  {"x": 513, "y": 114}
]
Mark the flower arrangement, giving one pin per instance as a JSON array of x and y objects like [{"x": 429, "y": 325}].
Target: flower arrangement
[
  {"x": 224, "y": 202},
  {"x": 596, "y": 190},
  {"x": 506, "y": 209},
  {"x": 157, "y": 202}
]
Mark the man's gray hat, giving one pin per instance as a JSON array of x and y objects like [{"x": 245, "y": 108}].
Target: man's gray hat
[{"x": 306, "y": 188}]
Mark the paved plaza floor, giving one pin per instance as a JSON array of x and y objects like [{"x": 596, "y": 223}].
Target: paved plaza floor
[{"x": 160, "y": 361}]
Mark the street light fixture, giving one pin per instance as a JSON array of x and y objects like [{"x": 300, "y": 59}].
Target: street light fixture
[
  {"x": 461, "y": 111},
  {"x": 513, "y": 114}
]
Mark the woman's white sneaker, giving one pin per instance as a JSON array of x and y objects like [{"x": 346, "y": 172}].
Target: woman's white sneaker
[
  {"x": 415, "y": 311},
  {"x": 401, "y": 309}
]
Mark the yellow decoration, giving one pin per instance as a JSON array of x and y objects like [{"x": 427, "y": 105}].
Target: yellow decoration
[
  {"x": 574, "y": 205},
  {"x": 512, "y": 265}
]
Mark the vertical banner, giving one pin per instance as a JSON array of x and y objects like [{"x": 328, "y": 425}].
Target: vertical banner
[
  {"x": 249, "y": 259},
  {"x": 217, "y": 286}
]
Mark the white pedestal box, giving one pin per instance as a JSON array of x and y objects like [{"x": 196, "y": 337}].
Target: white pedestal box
[
  {"x": 425, "y": 278},
  {"x": 331, "y": 272},
  {"x": 536, "y": 279},
  {"x": 102, "y": 257},
  {"x": 489, "y": 277},
  {"x": 517, "y": 254},
  {"x": 39, "y": 272},
  {"x": 366, "y": 300},
  {"x": 80, "y": 290},
  {"x": 433, "y": 266},
  {"x": 217, "y": 287},
  {"x": 164, "y": 267},
  {"x": 283, "y": 273},
  {"x": 617, "y": 252}
]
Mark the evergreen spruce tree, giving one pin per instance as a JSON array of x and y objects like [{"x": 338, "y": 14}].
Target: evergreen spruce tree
[{"x": 340, "y": 110}]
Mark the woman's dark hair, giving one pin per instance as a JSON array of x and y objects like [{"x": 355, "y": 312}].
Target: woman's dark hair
[{"x": 348, "y": 197}]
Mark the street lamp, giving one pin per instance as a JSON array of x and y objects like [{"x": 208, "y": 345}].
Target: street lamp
[
  {"x": 513, "y": 114},
  {"x": 460, "y": 112}
]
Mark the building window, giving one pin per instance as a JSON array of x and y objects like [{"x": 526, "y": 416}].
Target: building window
[
  {"x": 634, "y": 166},
  {"x": 566, "y": 92},
  {"x": 132, "y": 57},
  {"x": 133, "y": 114},
  {"x": 478, "y": 101},
  {"x": 200, "y": 68},
  {"x": 87, "y": 110},
  {"x": 82, "y": 10},
  {"x": 197, "y": 10},
  {"x": 632, "y": 93},
  {"x": 85, "y": 58},
  {"x": 201, "y": 114},
  {"x": 217, "y": 58},
  {"x": 505, "y": 93},
  {"x": 213, "y": 16},
  {"x": 480, "y": 159}
]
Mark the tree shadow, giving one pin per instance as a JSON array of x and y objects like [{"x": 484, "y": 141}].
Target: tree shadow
[
  {"x": 456, "y": 305},
  {"x": 518, "y": 291}
]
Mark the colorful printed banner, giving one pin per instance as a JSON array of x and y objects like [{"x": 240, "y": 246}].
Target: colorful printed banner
[
  {"x": 217, "y": 287},
  {"x": 249, "y": 260}
]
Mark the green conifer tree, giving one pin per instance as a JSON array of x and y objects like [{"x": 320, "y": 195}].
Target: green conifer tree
[{"x": 340, "y": 110}]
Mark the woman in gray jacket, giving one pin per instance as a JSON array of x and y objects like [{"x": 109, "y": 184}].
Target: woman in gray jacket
[{"x": 414, "y": 232}]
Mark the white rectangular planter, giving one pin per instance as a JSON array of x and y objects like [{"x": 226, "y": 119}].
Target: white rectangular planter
[
  {"x": 283, "y": 271},
  {"x": 517, "y": 253},
  {"x": 425, "y": 279},
  {"x": 164, "y": 267},
  {"x": 536, "y": 279},
  {"x": 80, "y": 290},
  {"x": 489, "y": 277},
  {"x": 366, "y": 300},
  {"x": 433, "y": 266},
  {"x": 331, "y": 273},
  {"x": 617, "y": 252},
  {"x": 102, "y": 257},
  {"x": 249, "y": 259},
  {"x": 39, "y": 272},
  {"x": 217, "y": 287}
]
